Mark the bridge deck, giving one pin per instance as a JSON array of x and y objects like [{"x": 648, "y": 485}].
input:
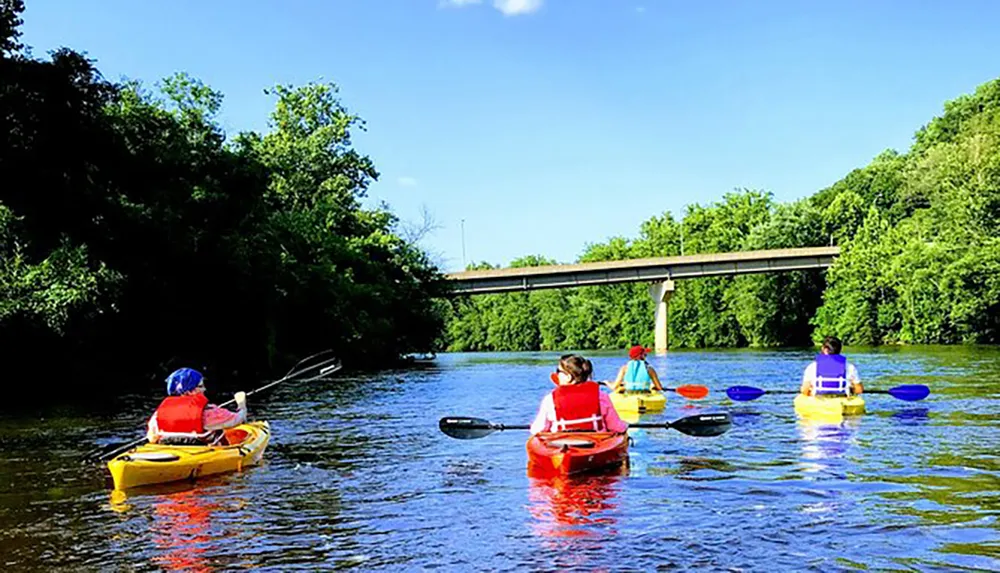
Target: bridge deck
[{"x": 641, "y": 270}]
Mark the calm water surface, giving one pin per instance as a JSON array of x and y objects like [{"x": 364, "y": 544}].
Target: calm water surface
[{"x": 358, "y": 476}]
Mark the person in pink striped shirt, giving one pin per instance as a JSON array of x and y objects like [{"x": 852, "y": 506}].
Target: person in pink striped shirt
[
  {"x": 577, "y": 403},
  {"x": 186, "y": 417}
]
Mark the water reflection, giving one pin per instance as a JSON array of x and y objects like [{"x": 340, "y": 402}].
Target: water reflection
[
  {"x": 912, "y": 416},
  {"x": 574, "y": 506},
  {"x": 186, "y": 523},
  {"x": 824, "y": 440},
  {"x": 824, "y": 445},
  {"x": 182, "y": 530}
]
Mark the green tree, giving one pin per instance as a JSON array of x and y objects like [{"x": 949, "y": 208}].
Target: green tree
[
  {"x": 776, "y": 309},
  {"x": 136, "y": 239},
  {"x": 918, "y": 233}
]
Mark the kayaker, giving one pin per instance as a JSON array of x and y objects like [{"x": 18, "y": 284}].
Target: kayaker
[
  {"x": 577, "y": 403},
  {"x": 831, "y": 373},
  {"x": 186, "y": 417},
  {"x": 636, "y": 375}
]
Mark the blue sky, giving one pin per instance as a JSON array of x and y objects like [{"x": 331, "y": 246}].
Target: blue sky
[{"x": 550, "y": 124}]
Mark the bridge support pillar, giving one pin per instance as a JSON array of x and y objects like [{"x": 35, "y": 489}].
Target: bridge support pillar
[{"x": 661, "y": 293}]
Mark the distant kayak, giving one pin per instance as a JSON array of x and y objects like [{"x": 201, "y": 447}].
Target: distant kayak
[
  {"x": 568, "y": 453},
  {"x": 829, "y": 406},
  {"x": 420, "y": 357},
  {"x": 640, "y": 402},
  {"x": 155, "y": 463}
]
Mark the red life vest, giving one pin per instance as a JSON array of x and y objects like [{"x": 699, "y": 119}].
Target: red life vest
[
  {"x": 182, "y": 414},
  {"x": 578, "y": 407}
]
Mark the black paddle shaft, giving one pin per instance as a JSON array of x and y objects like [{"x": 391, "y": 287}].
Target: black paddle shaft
[{"x": 700, "y": 425}]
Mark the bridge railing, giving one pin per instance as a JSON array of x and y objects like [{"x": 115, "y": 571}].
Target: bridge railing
[{"x": 641, "y": 270}]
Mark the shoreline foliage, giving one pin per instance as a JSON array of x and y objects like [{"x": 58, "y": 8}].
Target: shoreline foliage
[
  {"x": 920, "y": 260},
  {"x": 135, "y": 237}
]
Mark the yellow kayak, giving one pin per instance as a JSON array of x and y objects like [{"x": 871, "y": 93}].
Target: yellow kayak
[
  {"x": 155, "y": 463},
  {"x": 829, "y": 406},
  {"x": 640, "y": 402}
]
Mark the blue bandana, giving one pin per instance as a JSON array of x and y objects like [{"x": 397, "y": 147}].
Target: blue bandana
[{"x": 183, "y": 380}]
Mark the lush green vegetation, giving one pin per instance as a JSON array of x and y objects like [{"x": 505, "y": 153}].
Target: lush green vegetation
[
  {"x": 920, "y": 262},
  {"x": 135, "y": 236}
]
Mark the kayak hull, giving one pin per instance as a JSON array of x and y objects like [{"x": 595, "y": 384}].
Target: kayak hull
[
  {"x": 570, "y": 453},
  {"x": 640, "y": 402},
  {"x": 829, "y": 406},
  {"x": 151, "y": 464}
]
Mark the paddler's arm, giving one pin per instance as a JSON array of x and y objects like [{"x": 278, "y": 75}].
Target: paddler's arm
[
  {"x": 618, "y": 380},
  {"x": 542, "y": 421},
  {"x": 217, "y": 418},
  {"x": 852, "y": 376},
  {"x": 656, "y": 379},
  {"x": 807, "y": 379},
  {"x": 611, "y": 419},
  {"x": 152, "y": 430}
]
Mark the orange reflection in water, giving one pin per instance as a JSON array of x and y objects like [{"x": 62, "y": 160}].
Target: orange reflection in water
[
  {"x": 188, "y": 523},
  {"x": 574, "y": 506},
  {"x": 182, "y": 530}
]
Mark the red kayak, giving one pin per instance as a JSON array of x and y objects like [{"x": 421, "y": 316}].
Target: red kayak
[{"x": 567, "y": 453}]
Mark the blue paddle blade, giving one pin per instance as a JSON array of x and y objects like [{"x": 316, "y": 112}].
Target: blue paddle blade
[
  {"x": 743, "y": 393},
  {"x": 910, "y": 392}
]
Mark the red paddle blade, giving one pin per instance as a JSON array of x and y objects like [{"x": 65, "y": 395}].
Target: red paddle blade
[{"x": 693, "y": 391}]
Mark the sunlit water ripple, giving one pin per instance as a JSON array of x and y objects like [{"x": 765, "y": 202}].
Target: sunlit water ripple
[{"x": 358, "y": 476}]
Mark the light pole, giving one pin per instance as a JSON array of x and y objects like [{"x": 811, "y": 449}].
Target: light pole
[{"x": 463, "y": 244}]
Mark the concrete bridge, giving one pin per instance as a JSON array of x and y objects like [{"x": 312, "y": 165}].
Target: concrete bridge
[{"x": 660, "y": 271}]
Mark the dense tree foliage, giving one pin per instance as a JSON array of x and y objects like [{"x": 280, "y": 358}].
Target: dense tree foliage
[
  {"x": 920, "y": 262},
  {"x": 923, "y": 264},
  {"x": 135, "y": 236}
]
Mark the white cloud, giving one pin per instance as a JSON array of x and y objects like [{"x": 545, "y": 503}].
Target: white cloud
[
  {"x": 515, "y": 7},
  {"x": 508, "y": 7},
  {"x": 457, "y": 3},
  {"x": 640, "y": 9},
  {"x": 406, "y": 182}
]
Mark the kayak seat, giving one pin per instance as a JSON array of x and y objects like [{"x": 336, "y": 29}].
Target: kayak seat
[
  {"x": 210, "y": 438},
  {"x": 234, "y": 436},
  {"x": 570, "y": 442}
]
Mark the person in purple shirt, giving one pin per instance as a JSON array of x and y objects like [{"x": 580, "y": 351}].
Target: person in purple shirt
[{"x": 830, "y": 373}]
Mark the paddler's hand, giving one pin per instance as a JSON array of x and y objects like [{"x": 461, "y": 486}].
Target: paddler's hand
[{"x": 241, "y": 400}]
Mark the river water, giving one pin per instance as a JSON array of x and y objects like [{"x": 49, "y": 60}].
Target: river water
[{"x": 358, "y": 476}]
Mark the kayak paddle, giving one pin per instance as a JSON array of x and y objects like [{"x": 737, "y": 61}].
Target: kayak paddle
[
  {"x": 689, "y": 391},
  {"x": 701, "y": 425},
  {"x": 325, "y": 367},
  {"x": 908, "y": 392}
]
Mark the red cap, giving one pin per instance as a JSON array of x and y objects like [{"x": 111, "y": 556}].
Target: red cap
[{"x": 637, "y": 352}]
